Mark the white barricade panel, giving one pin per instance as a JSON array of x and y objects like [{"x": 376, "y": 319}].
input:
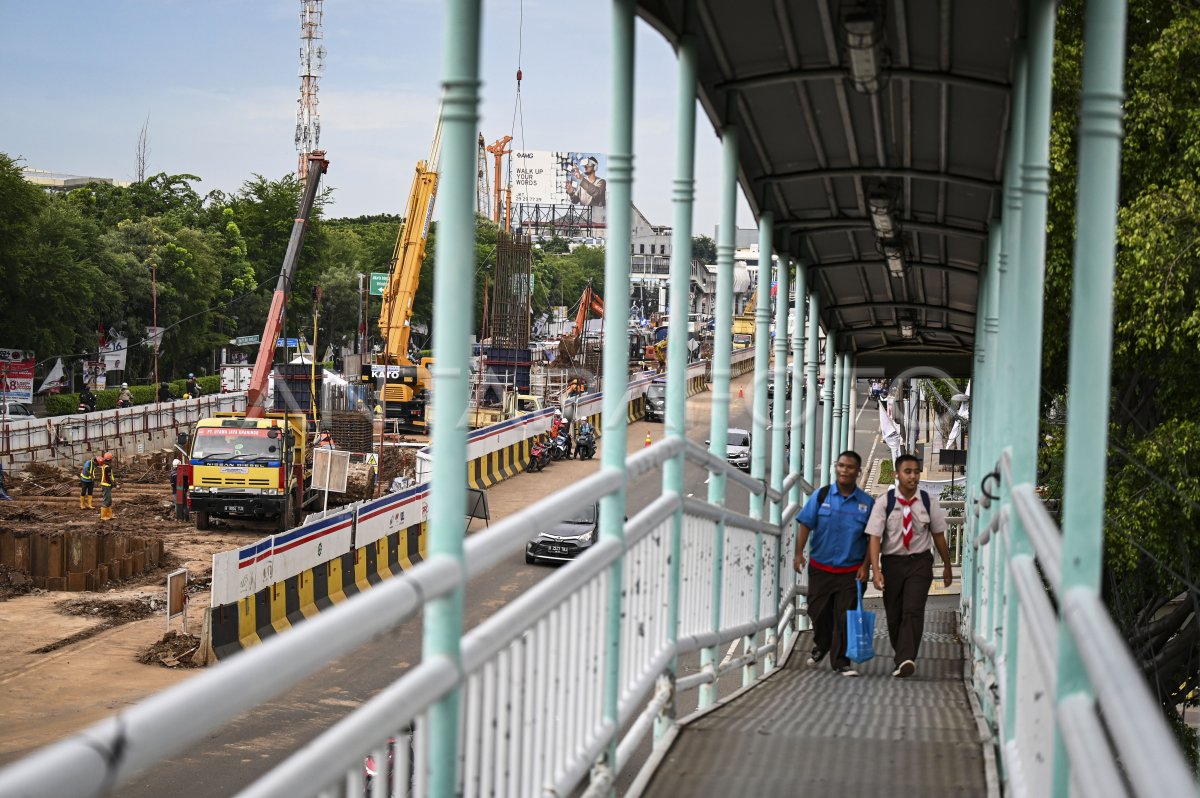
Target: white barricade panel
[
  {"x": 383, "y": 516},
  {"x": 242, "y": 572},
  {"x": 308, "y": 546}
]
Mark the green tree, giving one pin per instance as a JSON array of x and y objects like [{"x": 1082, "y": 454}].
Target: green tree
[{"x": 704, "y": 249}]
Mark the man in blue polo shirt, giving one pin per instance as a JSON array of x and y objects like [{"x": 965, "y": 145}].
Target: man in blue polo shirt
[{"x": 836, "y": 518}]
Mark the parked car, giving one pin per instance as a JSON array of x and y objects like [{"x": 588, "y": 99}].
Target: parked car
[
  {"x": 787, "y": 382},
  {"x": 737, "y": 450},
  {"x": 656, "y": 400},
  {"x": 567, "y": 539},
  {"x": 14, "y": 409}
]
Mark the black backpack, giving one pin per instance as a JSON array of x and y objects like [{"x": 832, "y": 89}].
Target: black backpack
[{"x": 823, "y": 494}]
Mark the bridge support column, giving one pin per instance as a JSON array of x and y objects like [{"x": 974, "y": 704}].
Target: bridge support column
[
  {"x": 451, "y": 334},
  {"x": 1025, "y": 365},
  {"x": 778, "y": 423},
  {"x": 675, "y": 418},
  {"x": 838, "y": 438},
  {"x": 616, "y": 354},
  {"x": 722, "y": 342},
  {"x": 848, "y": 403},
  {"x": 787, "y": 575},
  {"x": 762, "y": 358},
  {"x": 1100, "y": 132},
  {"x": 827, "y": 416},
  {"x": 812, "y": 416}
]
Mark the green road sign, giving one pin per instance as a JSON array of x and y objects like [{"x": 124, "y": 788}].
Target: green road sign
[
  {"x": 378, "y": 283},
  {"x": 246, "y": 340}
]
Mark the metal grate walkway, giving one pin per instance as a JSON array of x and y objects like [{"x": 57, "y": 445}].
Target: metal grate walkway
[{"x": 807, "y": 730}]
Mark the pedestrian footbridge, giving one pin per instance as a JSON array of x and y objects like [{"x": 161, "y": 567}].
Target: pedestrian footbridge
[{"x": 895, "y": 156}]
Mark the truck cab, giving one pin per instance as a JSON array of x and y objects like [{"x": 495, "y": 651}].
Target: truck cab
[{"x": 248, "y": 468}]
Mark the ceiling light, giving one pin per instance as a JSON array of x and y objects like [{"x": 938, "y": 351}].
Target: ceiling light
[
  {"x": 893, "y": 253},
  {"x": 864, "y": 50},
  {"x": 880, "y": 207},
  {"x": 908, "y": 329}
]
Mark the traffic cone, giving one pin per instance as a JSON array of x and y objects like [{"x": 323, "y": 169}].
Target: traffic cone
[{"x": 647, "y": 438}]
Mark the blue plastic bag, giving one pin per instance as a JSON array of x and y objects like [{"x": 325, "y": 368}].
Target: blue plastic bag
[{"x": 860, "y": 631}]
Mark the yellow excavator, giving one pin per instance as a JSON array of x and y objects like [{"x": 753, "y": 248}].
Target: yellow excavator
[{"x": 406, "y": 383}]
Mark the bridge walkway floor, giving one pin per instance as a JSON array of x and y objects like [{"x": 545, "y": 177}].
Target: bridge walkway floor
[{"x": 809, "y": 731}]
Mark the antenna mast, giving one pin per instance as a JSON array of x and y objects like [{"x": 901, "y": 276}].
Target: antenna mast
[{"x": 312, "y": 64}]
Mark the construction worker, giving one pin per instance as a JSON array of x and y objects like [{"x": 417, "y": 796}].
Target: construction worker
[
  {"x": 87, "y": 479},
  {"x": 107, "y": 483}
]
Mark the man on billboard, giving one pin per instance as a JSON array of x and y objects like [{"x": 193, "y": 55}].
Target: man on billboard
[{"x": 587, "y": 188}]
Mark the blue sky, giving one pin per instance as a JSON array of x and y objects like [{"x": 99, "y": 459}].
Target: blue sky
[{"x": 218, "y": 81}]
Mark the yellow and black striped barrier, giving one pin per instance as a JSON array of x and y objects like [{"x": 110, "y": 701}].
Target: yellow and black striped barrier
[
  {"x": 276, "y": 607},
  {"x": 488, "y": 469}
]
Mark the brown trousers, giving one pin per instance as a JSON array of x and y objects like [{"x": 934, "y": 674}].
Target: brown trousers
[
  {"x": 906, "y": 581},
  {"x": 830, "y": 597}
]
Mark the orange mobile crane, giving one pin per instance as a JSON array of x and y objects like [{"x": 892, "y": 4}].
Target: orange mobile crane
[{"x": 571, "y": 344}]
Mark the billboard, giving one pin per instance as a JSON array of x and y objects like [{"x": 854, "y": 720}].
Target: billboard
[
  {"x": 16, "y": 375},
  {"x": 561, "y": 178}
]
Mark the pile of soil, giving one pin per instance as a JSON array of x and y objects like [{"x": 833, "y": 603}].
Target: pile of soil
[
  {"x": 113, "y": 612},
  {"x": 174, "y": 650},
  {"x": 43, "y": 479},
  {"x": 13, "y": 583},
  {"x": 360, "y": 482},
  {"x": 20, "y": 512}
]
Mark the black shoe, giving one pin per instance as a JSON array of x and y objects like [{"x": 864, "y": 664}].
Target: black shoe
[
  {"x": 847, "y": 670},
  {"x": 815, "y": 656}
]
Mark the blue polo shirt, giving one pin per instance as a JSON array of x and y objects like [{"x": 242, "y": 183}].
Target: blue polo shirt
[{"x": 838, "y": 542}]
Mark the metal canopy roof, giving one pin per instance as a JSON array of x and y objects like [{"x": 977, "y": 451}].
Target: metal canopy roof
[{"x": 812, "y": 150}]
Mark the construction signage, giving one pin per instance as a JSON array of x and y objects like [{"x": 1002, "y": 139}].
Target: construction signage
[
  {"x": 379, "y": 281},
  {"x": 16, "y": 375}
]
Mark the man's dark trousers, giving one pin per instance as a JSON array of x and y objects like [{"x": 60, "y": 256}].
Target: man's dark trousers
[
  {"x": 830, "y": 597},
  {"x": 906, "y": 581}
]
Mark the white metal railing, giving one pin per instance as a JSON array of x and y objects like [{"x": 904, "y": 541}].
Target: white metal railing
[
  {"x": 1118, "y": 743},
  {"x": 532, "y": 674}
]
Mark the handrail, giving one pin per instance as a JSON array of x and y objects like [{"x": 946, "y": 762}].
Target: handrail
[
  {"x": 1096, "y": 773},
  {"x": 1135, "y": 722},
  {"x": 728, "y": 517},
  {"x": 1035, "y": 605},
  {"x": 700, "y": 456},
  {"x": 1047, "y": 540}
]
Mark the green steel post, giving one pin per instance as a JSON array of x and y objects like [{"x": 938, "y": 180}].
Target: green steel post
[
  {"x": 848, "y": 403},
  {"x": 795, "y": 434},
  {"x": 722, "y": 342},
  {"x": 826, "y": 475},
  {"x": 989, "y": 404},
  {"x": 616, "y": 350},
  {"x": 1029, "y": 281},
  {"x": 778, "y": 422},
  {"x": 812, "y": 404},
  {"x": 675, "y": 417},
  {"x": 762, "y": 358},
  {"x": 1100, "y": 132},
  {"x": 451, "y": 337},
  {"x": 837, "y": 442},
  {"x": 798, "y": 422}
]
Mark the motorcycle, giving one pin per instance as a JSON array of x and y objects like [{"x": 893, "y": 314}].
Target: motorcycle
[
  {"x": 539, "y": 455},
  {"x": 585, "y": 446},
  {"x": 561, "y": 448}
]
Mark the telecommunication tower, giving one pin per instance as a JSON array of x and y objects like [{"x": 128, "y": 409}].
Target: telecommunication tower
[{"x": 312, "y": 63}]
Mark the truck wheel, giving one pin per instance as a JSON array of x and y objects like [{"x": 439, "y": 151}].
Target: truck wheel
[{"x": 202, "y": 520}]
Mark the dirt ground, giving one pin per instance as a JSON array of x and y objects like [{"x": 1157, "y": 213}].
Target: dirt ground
[{"x": 69, "y": 659}]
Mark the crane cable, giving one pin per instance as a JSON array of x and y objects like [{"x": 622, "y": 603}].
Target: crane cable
[{"x": 518, "y": 109}]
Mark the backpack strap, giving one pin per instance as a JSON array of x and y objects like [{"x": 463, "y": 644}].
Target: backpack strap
[
  {"x": 925, "y": 500},
  {"x": 822, "y": 495}
]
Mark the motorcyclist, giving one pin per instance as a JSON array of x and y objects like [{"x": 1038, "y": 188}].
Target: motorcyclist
[
  {"x": 87, "y": 400},
  {"x": 193, "y": 386},
  {"x": 125, "y": 399}
]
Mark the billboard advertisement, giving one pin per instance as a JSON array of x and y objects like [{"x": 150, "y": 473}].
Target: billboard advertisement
[
  {"x": 16, "y": 375},
  {"x": 561, "y": 178}
]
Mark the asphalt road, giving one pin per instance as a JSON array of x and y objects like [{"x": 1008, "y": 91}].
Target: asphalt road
[{"x": 246, "y": 748}]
